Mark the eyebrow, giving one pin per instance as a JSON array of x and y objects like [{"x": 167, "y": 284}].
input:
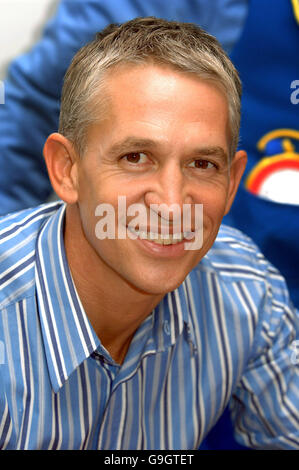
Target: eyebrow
[
  {"x": 215, "y": 151},
  {"x": 134, "y": 142},
  {"x": 141, "y": 144}
]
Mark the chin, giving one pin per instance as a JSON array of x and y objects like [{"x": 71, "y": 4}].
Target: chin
[
  {"x": 158, "y": 285},
  {"x": 159, "y": 280}
]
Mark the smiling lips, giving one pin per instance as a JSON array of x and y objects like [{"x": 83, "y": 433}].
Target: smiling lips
[{"x": 161, "y": 238}]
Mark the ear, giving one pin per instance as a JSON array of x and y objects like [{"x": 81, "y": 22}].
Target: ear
[
  {"x": 62, "y": 161},
  {"x": 237, "y": 168}
]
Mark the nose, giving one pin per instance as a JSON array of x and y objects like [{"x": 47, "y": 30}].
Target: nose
[{"x": 169, "y": 190}]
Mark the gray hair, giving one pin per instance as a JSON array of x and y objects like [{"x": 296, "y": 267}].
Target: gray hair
[{"x": 182, "y": 46}]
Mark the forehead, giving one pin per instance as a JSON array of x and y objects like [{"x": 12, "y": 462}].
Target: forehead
[
  {"x": 137, "y": 83},
  {"x": 150, "y": 99}
]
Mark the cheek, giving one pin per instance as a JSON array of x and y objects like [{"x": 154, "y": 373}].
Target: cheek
[
  {"x": 214, "y": 204},
  {"x": 93, "y": 190}
]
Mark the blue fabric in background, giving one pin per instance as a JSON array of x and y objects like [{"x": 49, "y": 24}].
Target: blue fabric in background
[{"x": 267, "y": 59}]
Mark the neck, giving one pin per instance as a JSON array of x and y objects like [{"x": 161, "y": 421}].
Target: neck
[{"x": 114, "y": 307}]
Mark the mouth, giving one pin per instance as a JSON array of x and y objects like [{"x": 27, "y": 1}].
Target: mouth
[{"x": 159, "y": 238}]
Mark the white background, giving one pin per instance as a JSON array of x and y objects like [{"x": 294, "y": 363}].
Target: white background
[{"x": 21, "y": 25}]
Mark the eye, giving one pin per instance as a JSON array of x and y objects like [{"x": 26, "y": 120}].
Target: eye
[
  {"x": 135, "y": 158},
  {"x": 202, "y": 164}
]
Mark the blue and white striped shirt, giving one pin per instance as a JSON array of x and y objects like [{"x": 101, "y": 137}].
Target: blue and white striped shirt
[{"x": 225, "y": 335}]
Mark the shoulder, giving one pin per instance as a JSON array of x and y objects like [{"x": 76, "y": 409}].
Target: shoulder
[
  {"x": 238, "y": 280},
  {"x": 18, "y": 234},
  {"x": 234, "y": 256},
  {"x": 245, "y": 276}
]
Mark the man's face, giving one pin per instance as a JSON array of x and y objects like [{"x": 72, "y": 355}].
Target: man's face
[{"x": 164, "y": 140}]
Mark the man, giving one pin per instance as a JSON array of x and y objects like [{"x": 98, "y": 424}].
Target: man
[{"x": 139, "y": 340}]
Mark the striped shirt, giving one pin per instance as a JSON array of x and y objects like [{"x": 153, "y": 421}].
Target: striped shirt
[{"x": 226, "y": 335}]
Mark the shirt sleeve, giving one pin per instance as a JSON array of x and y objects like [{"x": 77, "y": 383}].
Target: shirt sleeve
[
  {"x": 265, "y": 404},
  {"x": 34, "y": 81}
]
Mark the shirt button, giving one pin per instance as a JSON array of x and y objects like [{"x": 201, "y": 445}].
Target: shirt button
[{"x": 166, "y": 327}]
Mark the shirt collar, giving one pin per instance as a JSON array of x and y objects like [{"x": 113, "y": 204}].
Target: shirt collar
[
  {"x": 68, "y": 336},
  {"x": 67, "y": 333}
]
